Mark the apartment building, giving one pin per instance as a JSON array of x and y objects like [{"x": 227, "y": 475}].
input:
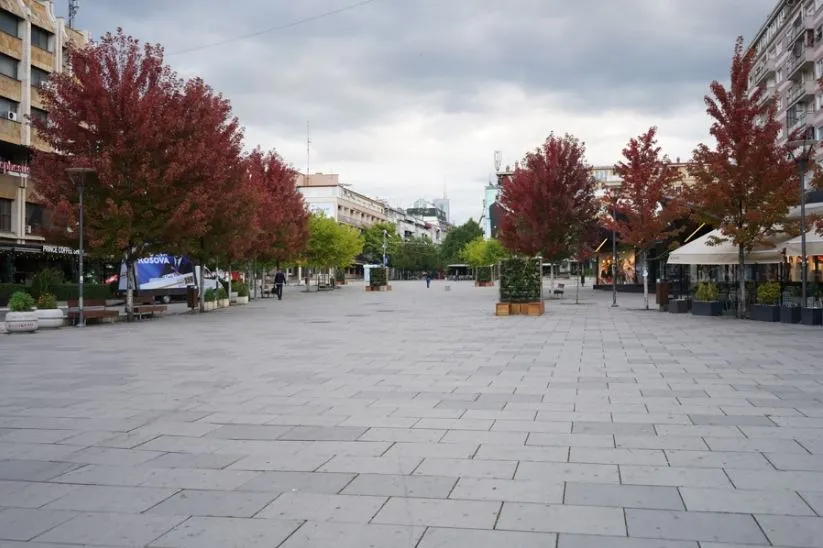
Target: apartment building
[
  {"x": 789, "y": 61},
  {"x": 33, "y": 45},
  {"x": 323, "y": 192}
]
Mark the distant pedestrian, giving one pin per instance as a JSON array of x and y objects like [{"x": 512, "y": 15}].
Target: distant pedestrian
[{"x": 428, "y": 280}]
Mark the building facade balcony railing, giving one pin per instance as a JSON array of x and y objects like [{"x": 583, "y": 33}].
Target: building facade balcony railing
[{"x": 795, "y": 63}]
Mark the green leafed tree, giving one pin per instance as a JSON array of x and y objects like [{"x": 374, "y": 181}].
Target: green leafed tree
[
  {"x": 373, "y": 242},
  {"x": 332, "y": 245},
  {"x": 417, "y": 255},
  {"x": 480, "y": 252},
  {"x": 457, "y": 238}
]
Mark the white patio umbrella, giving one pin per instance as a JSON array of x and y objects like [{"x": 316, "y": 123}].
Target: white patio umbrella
[{"x": 699, "y": 251}]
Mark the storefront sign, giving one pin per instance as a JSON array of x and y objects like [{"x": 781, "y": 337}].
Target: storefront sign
[
  {"x": 15, "y": 170},
  {"x": 59, "y": 250}
]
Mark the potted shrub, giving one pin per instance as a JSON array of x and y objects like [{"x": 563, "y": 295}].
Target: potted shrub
[
  {"x": 812, "y": 315},
  {"x": 521, "y": 287},
  {"x": 766, "y": 309},
  {"x": 680, "y": 306},
  {"x": 49, "y": 316},
  {"x": 210, "y": 297},
  {"x": 705, "y": 301},
  {"x": 790, "y": 310},
  {"x": 484, "y": 276},
  {"x": 242, "y": 293},
  {"x": 222, "y": 297},
  {"x": 340, "y": 276},
  {"x": 378, "y": 280},
  {"x": 22, "y": 317}
]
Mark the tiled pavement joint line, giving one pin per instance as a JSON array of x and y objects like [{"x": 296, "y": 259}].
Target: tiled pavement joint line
[
  {"x": 804, "y": 447},
  {"x": 290, "y": 535},
  {"x": 808, "y": 504}
]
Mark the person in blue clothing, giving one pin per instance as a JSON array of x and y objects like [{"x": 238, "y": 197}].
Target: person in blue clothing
[{"x": 428, "y": 279}]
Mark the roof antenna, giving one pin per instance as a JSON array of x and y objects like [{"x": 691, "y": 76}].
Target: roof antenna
[{"x": 74, "y": 7}]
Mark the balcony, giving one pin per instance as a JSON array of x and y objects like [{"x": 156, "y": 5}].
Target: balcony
[
  {"x": 11, "y": 88},
  {"x": 800, "y": 92},
  {"x": 796, "y": 63},
  {"x": 352, "y": 221},
  {"x": 764, "y": 69}
]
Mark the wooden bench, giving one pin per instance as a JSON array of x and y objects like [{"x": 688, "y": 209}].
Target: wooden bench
[
  {"x": 559, "y": 290},
  {"x": 93, "y": 309},
  {"x": 145, "y": 306}
]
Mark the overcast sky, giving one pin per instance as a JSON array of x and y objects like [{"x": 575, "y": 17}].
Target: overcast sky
[{"x": 404, "y": 95}]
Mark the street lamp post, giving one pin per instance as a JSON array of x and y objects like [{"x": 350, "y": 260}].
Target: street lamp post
[
  {"x": 78, "y": 175},
  {"x": 801, "y": 160},
  {"x": 385, "y": 263},
  {"x": 614, "y": 254}
]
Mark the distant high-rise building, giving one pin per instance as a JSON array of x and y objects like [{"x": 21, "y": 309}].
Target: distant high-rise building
[{"x": 443, "y": 205}]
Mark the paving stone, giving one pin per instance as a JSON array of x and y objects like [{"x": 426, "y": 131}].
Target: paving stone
[
  {"x": 758, "y": 445},
  {"x": 733, "y": 420},
  {"x": 791, "y": 530},
  {"x": 466, "y": 468},
  {"x": 477, "y": 437},
  {"x": 627, "y": 496},
  {"x": 628, "y": 429},
  {"x": 562, "y": 519},
  {"x": 795, "y": 461},
  {"x": 310, "y": 482},
  {"x": 353, "y": 535},
  {"x": 661, "y": 442},
  {"x": 331, "y": 433},
  {"x": 562, "y": 472},
  {"x": 439, "y": 513},
  {"x": 192, "y": 460},
  {"x": 432, "y": 450},
  {"x": 375, "y": 465},
  {"x": 507, "y": 490},
  {"x": 617, "y": 456},
  {"x": 100, "y": 498},
  {"x": 417, "y": 435},
  {"x": 596, "y": 541},
  {"x": 247, "y": 432},
  {"x": 25, "y": 524},
  {"x": 673, "y": 476},
  {"x": 522, "y": 453},
  {"x": 288, "y": 462},
  {"x": 450, "y": 538},
  {"x": 323, "y": 507},
  {"x": 744, "y": 501},
  {"x": 203, "y": 532},
  {"x": 700, "y": 526},
  {"x": 386, "y": 485},
  {"x": 213, "y": 504},
  {"x": 23, "y": 494},
  {"x": 571, "y": 440},
  {"x": 814, "y": 499},
  {"x": 112, "y": 529},
  {"x": 34, "y": 470},
  {"x": 774, "y": 480},
  {"x": 718, "y": 459},
  {"x": 112, "y": 456}
]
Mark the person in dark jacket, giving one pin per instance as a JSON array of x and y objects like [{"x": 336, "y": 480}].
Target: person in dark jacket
[{"x": 279, "y": 282}]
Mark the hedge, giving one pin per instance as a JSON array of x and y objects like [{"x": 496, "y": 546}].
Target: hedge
[
  {"x": 483, "y": 273},
  {"x": 378, "y": 277},
  {"x": 62, "y": 292},
  {"x": 520, "y": 280}
]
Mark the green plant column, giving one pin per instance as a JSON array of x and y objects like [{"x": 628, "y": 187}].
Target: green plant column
[
  {"x": 484, "y": 273},
  {"x": 520, "y": 280},
  {"x": 378, "y": 277}
]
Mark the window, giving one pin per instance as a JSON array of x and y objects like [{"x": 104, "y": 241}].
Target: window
[
  {"x": 35, "y": 215},
  {"x": 39, "y": 77},
  {"x": 9, "y": 23},
  {"x": 40, "y": 38},
  {"x": 8, "y": 106},
  {"x": 8, "y": 66},
  {"x": 5, "y": 215},
  {"x": 39, "y": 114}
]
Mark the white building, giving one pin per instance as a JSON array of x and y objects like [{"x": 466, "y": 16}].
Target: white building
[
  {"x": 324, "y": 193},
  {"x": 410, "y": 226}
]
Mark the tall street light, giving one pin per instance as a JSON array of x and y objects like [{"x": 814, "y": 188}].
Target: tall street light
[
  {"x": 801, "y": 160},
  {"x": 385, "y": 262},
  {"x": 78, "y": 176}
]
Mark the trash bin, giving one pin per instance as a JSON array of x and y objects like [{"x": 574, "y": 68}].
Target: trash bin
[
  {"x": 662, "y": 291},
  {"x": 192, "y": 297}
]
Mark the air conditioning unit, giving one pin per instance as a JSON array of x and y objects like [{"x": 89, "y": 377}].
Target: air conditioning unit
[
  {"x": 28, "y": 229},
  {"x": 11, "y": 115}
]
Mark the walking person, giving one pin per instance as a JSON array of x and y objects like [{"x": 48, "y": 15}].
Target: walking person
[
  {"x": 428, "y": 279},
  {"x": 279, "y": 282}
]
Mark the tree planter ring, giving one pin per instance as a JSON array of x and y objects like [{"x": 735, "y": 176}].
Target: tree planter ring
[
  {"x": 50, "y": 318},
  {"x": 21, "y": 322},
  {"x": 789, "y": 314},
  {"x": 707, "y": 308},
  {"x": 811, "y": 316},
  {"x": 765, "y": 313}
]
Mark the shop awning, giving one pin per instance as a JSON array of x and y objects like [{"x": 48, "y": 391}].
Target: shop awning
[
  {"x": 700, "y": 252},
  {"x": 814, "y": 245}
]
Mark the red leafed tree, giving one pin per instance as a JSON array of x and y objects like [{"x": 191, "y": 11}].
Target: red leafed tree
[
  {"x": 282, "y": 220},
  {"x": 746, "y": 183},
  {"x": 547, "y": 199},
  {"x": 647, "y": 203},
  {"x": 163, "y": 150}
]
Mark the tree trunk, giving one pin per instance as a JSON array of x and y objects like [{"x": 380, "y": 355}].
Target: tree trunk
[
  {"x": 130, "y": 286},
  {"x": 741, "y": 281},
  {"x": 229, "y": 278},
  {"x": 646, "y": 277}
]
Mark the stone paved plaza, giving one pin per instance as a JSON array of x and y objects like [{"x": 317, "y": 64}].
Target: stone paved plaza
[{"x": 414, "y": 418}]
